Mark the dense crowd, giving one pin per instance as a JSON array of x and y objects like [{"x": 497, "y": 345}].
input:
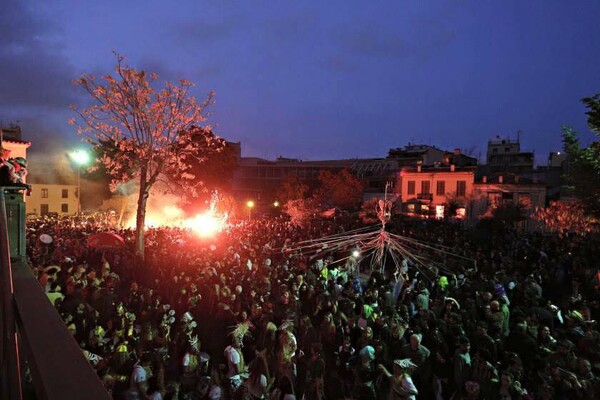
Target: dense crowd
[{"x": 244, "y": 316}]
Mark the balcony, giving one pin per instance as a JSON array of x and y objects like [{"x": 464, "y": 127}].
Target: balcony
[
  {"x": 34, "y": 338},
  {"x": 425, "y": 196}
]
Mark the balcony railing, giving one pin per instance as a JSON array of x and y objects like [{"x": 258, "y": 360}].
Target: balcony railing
[
  {"x": 33, "y": 336},
  {"x": 425, "y": 196}
]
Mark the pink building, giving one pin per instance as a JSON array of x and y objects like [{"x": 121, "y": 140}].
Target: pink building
[{"x": 431, "y": 191}]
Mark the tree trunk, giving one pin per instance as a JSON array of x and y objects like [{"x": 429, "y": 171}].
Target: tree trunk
[{"x": 141, "y": 215}]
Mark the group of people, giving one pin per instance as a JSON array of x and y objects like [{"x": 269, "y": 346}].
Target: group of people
[
  {"x": 12, "y": 169},
  {"x": 246, "y": 316}
]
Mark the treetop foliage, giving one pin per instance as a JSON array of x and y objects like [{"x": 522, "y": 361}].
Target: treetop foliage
[
  {"x": 141, "y": 130},
  {"x": 584, "y": 162}
]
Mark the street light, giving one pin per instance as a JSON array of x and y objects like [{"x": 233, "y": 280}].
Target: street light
[
  {"x": 250, "y": 205},
  {"x": 80, "y": 158}
]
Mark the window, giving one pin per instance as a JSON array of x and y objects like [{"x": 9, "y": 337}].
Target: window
[
  {"x": 64, "y": 208},
  {"x": 411, "y": 187},
  {"x": 461, "y": 188},
  {"x": 440, "y": 189},
  {"x": 425, "y": 187},
  {"x": 65, "y": 193},
  {"x": 44, "y": 193},
  {"x": 43, "y": 209}
]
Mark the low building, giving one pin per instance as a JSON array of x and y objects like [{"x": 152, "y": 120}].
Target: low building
[
  {"x": 428, "y": 191},
  {"x": 500, "y": 190},
  {"x": 259, "y": 180},
  {"x": 377, "y": 174},
  {"x": 52, "y": 198}
]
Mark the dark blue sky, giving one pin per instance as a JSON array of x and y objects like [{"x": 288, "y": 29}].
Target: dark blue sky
[{"x": 319, "y": 79}]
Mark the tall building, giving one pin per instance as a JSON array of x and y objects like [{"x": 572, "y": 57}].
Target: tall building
[{"x": 505, "y": 155}]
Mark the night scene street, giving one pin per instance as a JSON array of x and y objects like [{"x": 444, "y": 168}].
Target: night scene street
[{"x": 316, "y": 200}]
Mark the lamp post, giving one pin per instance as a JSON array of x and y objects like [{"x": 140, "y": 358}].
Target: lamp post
[
  {"x": 80, "y": 158},
  {"x": 250, "y": 205}
]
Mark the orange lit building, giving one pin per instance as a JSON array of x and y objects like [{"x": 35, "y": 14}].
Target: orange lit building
[{"x": 428, "y": 191}]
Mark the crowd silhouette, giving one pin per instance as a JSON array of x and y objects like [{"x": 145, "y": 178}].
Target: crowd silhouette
[{"x": 242, "y": 316}]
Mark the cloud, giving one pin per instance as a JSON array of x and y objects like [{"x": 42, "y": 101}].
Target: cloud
[{"x": 33, "y": 72}]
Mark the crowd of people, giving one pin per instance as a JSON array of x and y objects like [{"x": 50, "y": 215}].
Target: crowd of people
[{"x": 244, "y": 316}]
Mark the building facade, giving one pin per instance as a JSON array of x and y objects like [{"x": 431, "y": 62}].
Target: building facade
[
  {"x": 502, "y": 190},
  {"x": 52, "y": 198},
  {"x": 376, "y": 174},
  {"x": 505, "y": 155},
  {"x": 259, "y": 180},
  {"x": 428, "y": 191}
]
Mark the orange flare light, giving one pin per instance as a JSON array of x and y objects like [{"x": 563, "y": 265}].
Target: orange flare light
[{"x": 205, "y": 225}]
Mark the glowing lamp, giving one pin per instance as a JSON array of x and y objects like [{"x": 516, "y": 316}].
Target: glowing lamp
[
  {"x": 250, "y": 204},
  {"x": 80, "y": 157},
  {"x": 275, "y": 203},
  {"x": 355, "y": 253}
]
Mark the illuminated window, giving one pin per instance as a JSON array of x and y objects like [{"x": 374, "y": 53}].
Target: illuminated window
[
  {"x": 440, "y": 189},
  {"x": 411, "y": 187},
  {"x": 410, "y": 208},
  {"x": 44, "y": 193}
]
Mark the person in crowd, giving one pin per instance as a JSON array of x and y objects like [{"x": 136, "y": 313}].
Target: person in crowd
[
  {"x": 402, "y": 386},
  {"x": 149, "y": 334}
]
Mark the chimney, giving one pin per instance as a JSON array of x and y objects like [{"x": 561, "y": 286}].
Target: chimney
[
  {"x": 419, "y": 168},
  {"x": 500, "y": 179},
  {"x": 484, "y": 179},
  {"x": 457, "y": 152},
  {"x": 452, "y": 167}
]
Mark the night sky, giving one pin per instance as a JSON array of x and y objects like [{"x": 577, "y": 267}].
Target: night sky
[{"x": 318, "y": 79}]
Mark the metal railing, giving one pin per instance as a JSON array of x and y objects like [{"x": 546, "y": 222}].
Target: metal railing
[
  {"x": 34, "y": 337},
  {"x": 425, "y": 196}
]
